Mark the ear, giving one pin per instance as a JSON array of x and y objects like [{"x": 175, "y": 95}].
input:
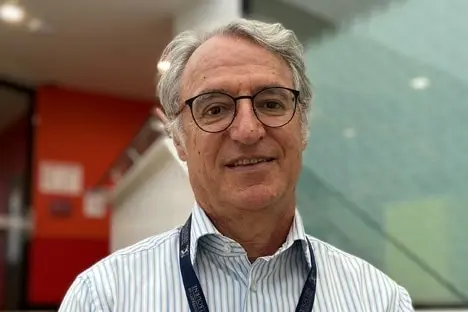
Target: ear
[
  {"x": 180, "y": 147},
  {"x": 176, "y": 138},
  {"x": 159, "y": 113}
]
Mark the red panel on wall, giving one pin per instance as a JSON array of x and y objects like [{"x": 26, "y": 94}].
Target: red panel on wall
[
  {"x": 90, "y": 130},
  {"x": 55, "y": 264},
  {"x": 86, "y": 129}
]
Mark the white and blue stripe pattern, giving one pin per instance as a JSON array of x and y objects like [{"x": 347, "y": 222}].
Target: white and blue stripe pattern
[{"x": 146, "y": 277}]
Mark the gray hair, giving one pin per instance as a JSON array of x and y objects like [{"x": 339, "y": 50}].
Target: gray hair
[{"x": 273, "y": 37}]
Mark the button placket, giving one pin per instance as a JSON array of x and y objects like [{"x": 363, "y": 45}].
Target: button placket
[
  {"x": 253, "y": 286},
  {"x": 254, "y": 274}
]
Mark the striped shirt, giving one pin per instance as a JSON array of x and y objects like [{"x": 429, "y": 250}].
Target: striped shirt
[{"x": 146, "y": 277}]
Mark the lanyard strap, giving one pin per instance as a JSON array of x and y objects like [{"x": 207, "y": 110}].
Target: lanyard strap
[{"x": 196, "y": 298}]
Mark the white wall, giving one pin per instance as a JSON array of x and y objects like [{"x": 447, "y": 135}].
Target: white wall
[{"x": 155, "y": 196}]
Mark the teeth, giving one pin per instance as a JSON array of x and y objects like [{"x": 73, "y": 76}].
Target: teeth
[{"x": 251, "y": 161}]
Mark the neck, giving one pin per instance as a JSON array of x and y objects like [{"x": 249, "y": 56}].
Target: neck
[{"x": 259, "y": 232}]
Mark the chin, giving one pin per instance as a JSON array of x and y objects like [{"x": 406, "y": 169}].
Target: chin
[{"x": 255, "y": 197}]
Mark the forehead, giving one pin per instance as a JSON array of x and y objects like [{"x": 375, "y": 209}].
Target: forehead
[{"x": 234, "y": 65}]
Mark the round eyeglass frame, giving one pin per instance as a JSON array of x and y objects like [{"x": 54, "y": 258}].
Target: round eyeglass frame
[{"x": 190, "y": 101}]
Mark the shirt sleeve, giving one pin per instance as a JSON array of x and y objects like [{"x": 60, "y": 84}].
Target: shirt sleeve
[
  {"x": 79, "y": 298},
  {"x": 404, "y": 303}
]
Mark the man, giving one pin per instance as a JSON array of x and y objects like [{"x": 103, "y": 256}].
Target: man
[{"x": 237, "y": 101}]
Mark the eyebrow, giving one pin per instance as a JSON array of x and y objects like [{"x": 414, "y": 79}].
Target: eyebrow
[
  {"x": 267, "y": 86},
  {"x": 211, "y": 90},
  {"x": 255, "y": 90}
]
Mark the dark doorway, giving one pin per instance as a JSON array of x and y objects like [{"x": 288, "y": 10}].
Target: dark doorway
[{"x": 16, "y": 109}]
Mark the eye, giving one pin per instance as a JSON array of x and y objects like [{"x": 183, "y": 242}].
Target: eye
[
  {"x": 272, "y": 105},
  {"x": 214, "y": 110}
]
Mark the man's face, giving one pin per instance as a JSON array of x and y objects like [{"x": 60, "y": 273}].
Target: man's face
[{"x": 239, "y": 67}]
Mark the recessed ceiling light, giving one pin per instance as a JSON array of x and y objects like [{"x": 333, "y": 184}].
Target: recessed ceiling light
[
  {"x": 163, "y": 66},
  {"x": 11, "y": 12},
  {"x": 420, "y": 83}
]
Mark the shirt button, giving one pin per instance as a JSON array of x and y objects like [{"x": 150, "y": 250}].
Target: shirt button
[
  {"x": 227, "y": 248},
  {"x": 253, "y": 286}
]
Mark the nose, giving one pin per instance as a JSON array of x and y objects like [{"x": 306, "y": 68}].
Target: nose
[{"x": 246, "y": 128}]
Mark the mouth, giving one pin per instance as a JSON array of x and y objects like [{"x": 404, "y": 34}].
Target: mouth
[{"x": 249, "y": 162}]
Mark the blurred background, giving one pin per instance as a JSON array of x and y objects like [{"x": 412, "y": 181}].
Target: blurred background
[{"x": 86, "y": 169}]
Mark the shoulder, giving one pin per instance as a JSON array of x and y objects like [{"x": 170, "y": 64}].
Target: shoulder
[
  {"x": 157, "y": 246},
  {"x": 105, "y": 278},
  {"x": 327, "y": 254},
  {"x": 358, "y": 277}
]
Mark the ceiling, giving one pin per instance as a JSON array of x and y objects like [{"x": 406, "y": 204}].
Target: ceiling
[{"x": 109, "y": 46}]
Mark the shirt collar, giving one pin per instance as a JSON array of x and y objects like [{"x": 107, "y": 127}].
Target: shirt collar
[{"x": 202, "y": 226}]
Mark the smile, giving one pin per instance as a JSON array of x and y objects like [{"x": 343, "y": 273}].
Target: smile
[{"x": 250, "y": 162}]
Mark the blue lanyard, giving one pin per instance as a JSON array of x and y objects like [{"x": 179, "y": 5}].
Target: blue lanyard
[{"x": 196, "y": 298}]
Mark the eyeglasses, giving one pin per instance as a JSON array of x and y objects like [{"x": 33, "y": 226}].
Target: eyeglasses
[{"x": 215, "y": 111}]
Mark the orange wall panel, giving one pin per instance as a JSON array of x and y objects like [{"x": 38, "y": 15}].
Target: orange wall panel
[{"x": 84, "y": 128}]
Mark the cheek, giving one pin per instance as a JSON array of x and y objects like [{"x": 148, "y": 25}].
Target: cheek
[
  {"x": 294, "y": 154},
  {"x": 293, "y": 147},
  {"x": 203, "y": 153}
]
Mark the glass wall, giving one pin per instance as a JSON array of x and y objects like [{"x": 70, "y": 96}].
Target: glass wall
[{"x": 386, "y": 169}]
